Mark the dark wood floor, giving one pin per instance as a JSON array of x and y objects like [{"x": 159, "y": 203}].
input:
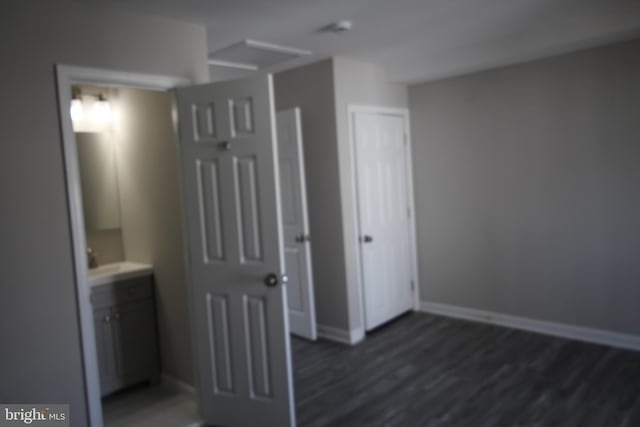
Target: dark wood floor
[{"x": 424, "y": 370}]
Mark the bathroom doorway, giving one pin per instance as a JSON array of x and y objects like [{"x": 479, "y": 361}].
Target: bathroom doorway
[{"x": 125, "y": 203}]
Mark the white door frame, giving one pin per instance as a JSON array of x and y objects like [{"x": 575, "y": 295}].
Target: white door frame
[
  {"x": 404, "y": 113},
  {"x": 67, "y": 76}
]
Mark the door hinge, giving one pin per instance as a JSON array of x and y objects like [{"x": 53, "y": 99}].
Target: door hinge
[
  {"x": 408, "y": 212},
  {"x": 413, "y": 286}
]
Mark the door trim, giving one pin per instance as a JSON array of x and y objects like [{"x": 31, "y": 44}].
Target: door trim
[
  {"x": 66, "y": 76},
  {"x": 404, "y": 114}
]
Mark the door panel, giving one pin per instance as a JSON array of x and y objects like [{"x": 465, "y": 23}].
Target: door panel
[
  {"x": 257, "y": 341},
  {"x": 295, "y": 262},
  {"x": 203, "y": 122},
  {"x": 383, "y": 213},
  {"x": 297, "y": 246},
  {"x": 230, "y": 187},
  {"x": 220, "y": 348},
  {"x": 250, "y": 238},
  {"x": 209, "y": 210}
]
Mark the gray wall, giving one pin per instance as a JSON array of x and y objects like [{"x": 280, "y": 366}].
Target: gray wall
[
  {"x": 312, "y": 89},
  {"x": 526, "y": 183},
  {"x": 363, "y": 84},
  {"x": 40, "y": 359},
  {"x": 150, "y": 202}
]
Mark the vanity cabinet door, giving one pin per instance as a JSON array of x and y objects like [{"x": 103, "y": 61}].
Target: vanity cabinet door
[
  {"x": 102, "y": 319},
  {"x": 136, "y": 351},
  {"x": 126, "y": 335}
]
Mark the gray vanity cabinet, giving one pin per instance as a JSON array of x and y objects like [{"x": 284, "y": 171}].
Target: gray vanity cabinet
[{"x": 126, "y": 336}]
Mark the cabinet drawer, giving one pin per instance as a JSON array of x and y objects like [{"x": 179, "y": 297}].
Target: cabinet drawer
[{"x": 123, "y": 291}]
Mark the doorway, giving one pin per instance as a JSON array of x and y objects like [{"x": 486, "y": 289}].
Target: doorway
[
  {"x": 295, "y": 224},
  {"x": 123, "y": 193}
]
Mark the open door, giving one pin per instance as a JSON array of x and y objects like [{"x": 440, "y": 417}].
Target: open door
[
  {"x": 238, "y": 301},
  {"x": 295, "y": 219}
]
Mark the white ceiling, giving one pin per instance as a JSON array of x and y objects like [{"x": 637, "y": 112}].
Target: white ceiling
[{"x": 413, "y": 40}]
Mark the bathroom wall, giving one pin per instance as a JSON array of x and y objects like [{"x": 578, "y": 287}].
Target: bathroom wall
[
  {"x": 107, "y": 245},
  {"x": 147, "y": 160}
]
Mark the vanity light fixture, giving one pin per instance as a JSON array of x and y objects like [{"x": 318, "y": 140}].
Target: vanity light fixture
[
  {"x": 97, "y": 107},
  {"x": 101, "y": 110}
]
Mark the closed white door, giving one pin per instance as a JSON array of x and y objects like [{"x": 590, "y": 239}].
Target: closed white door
[
  {"x": 295, "y": 222},
  {"x": 384, "y": 215},
  {"x": 238, "y": 303}
]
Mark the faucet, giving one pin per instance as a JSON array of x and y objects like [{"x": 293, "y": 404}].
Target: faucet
[{"x": 92, "y": 258}]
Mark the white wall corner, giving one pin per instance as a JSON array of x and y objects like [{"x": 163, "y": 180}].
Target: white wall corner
[
  {"x": 175, "y": 385},
  {"x": 580, "y": 333},
  {"x": 343, "y": 336}
]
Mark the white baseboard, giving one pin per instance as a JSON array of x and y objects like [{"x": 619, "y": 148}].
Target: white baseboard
[
  {"x": 580, "y": 333},
  {"x": 343, "y": 336},
  {"x": 178, "y": 386}
]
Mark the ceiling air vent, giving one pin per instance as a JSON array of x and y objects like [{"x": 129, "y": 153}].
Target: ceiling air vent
[{"x": 253, "y": 55}]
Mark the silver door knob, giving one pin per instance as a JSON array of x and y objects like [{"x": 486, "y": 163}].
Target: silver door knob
[
  {"x": 367, "y": 239},
  {"x": 224, "y": 145}
]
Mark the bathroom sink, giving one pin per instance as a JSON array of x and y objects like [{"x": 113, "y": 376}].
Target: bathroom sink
[{"x": 117, "y": 271}]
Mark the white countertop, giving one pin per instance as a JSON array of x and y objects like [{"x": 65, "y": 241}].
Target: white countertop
[{"x": 110, "y": 273}]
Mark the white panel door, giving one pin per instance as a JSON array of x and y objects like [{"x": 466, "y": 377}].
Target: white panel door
[
  {"x": 238, "y": 303},
  {"x": 295, "y": 222},
  {"x": 383, "y": 209}
]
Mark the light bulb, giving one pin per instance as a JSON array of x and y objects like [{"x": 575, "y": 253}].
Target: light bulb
[
  {"x": 77, "y": 110},
  {"x": 101, "y": 111}
]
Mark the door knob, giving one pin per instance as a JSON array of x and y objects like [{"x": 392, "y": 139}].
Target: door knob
[
  {"x": 367, "y": 239},
  {"x": 224, "y": 145},
  {"x": 271, "y": 280},
  {"x": 301, "y": 238}
]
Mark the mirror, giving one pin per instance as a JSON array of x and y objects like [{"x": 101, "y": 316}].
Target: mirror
[{"x": 98, "y": 174}]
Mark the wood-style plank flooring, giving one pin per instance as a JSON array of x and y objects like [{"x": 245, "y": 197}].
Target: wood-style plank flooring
[{"x": 424, "y": 370}]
